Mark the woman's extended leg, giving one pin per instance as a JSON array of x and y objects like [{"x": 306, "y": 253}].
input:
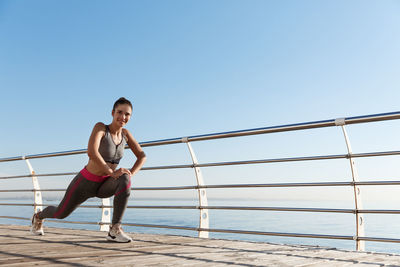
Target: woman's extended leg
[{"x": 79, "y": 190}]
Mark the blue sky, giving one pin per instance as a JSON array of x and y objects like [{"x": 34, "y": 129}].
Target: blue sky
[{"x": 191, "y": 67}]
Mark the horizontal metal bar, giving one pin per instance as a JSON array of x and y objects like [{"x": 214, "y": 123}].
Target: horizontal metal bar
[
  {"x": 207, "y": 207},
  {"x": 218, "y": 186},
  {"x": 255, "y": 131},
  {"x": 372, "y": 183},
  {"x": 46, "y": 205},
  {"x": 166, "y": 188},
  {"x": 379, "y": 211},
  {"x": 296, "y": 159},
  {"x": 182, "y": 166},
  {"x": 272, "y": 185},
  {"x": 17, "y": 204},
  {"x": 245, "y": 162},
  {"x": 373, "y": 117},
  {"x": 104, "y": 206},
  {"x": 375, "y": 154},
  {"x": 161, "y": 207},
  {"x": 248, "y": 208},
  {"x": 378, "y": 183},
  {"x": 376, "y": 211},
  {"x": 379, "y": 239},
  {"x": 31, "y": 190},
  {"x": 329, "y": 184},
  {"x": 252, "y": 208},
  {"x": 280, "y": 185},
  {"x": 278, "y": 160},
  {"x": 15, "y": 218},
  {"x": 280, "y": 128},
  {"x": 266, "y": 185},
  {"x": 278, "y": 209},
  {"x": 225, "y": 208},
  {"x": 17, "y": 176},
  {"x": 73, "y": 222},
  {"x": 45, "y": 155},
  {"x": 50, "y": 220},
  {"x": 39, "y": 175}
]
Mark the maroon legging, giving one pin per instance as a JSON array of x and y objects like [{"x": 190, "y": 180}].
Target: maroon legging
[{"x": 81, "y": 189}]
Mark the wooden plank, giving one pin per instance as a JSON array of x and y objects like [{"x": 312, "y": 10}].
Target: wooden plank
[{"x": 71, "y": 247}]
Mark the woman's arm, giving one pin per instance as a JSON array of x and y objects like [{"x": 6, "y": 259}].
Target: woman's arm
[
  {"x": 93, "y": 148},
  {"x": 137, "y": 150}
]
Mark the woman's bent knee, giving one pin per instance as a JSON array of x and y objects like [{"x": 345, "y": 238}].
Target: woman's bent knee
[{"x": 125, "y": 179}]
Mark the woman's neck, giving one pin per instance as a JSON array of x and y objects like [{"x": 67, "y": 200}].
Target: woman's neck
[{"x": 115, "y": 129}]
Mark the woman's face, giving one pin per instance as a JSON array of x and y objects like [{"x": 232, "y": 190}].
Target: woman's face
[{"x": 121, "y": 114}]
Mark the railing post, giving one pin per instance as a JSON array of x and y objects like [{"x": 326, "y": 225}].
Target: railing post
[
  {"x": 105, "y": 215},
  {"x": 37, "y": 194},
  {"x": 204, "y": 218},
  {"x": 360, "y": 222}
]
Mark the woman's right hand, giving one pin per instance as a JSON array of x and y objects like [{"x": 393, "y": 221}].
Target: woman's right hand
[{"x": 117, "y": 173}]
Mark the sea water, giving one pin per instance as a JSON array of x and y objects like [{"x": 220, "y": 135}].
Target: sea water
[{"x": 266, "y": 221}]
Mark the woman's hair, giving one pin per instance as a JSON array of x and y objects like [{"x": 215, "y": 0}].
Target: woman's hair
[{"x": 122, "y": 101}]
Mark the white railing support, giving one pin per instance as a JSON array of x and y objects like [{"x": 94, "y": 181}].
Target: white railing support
[
  {"x": 37, "y": 194},
  {"x": 360, "y": 222},
  {"x": 105, "y": 215},
  {"x": 203, "y": 202}
]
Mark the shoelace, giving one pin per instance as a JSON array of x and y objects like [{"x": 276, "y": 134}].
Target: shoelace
[{"x": 118, "y": 230}]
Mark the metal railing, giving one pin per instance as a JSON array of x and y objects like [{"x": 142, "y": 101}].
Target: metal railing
[{"x": 203, "y": 207}]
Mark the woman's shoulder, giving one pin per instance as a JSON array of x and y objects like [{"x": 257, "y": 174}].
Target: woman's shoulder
[
  {"x": 99, "y": 126},
  {"x": 126, "y": 133}
]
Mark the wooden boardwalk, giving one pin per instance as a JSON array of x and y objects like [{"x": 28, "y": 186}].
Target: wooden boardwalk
[{"x": 68, "y": 247}]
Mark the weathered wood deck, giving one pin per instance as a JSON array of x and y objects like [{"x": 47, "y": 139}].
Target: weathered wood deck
[{"x": 68, "y": 247}]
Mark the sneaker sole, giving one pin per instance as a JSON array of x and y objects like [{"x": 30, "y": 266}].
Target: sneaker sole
[
  {"x": 36, "y": 233},
  {"x": 116, "y": 241}
]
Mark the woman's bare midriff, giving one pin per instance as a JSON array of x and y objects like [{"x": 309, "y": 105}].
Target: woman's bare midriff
[{"x": 94, "y": 168}]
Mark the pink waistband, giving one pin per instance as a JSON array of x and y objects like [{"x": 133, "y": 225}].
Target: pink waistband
[{"x": 93, "y": 177}]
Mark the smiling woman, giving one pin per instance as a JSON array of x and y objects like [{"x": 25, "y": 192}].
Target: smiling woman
[{"x": 100, "y": 177}]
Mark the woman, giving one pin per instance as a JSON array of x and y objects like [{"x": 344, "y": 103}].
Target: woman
[{"x": 100, "y": 177}]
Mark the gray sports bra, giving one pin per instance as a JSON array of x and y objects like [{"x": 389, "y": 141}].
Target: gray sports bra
[{"x": 111, "y": 152}]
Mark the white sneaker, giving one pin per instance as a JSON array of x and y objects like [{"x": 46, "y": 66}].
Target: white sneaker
[
  {"x": 37, "y": 225},
  {"x": 117, "y": 235}
]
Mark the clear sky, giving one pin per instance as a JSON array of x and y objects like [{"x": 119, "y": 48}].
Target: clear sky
[{"x": 192, "y": 67}]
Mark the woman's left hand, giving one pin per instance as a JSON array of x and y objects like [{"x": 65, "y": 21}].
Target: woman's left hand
[{"x": 117, "y": 173}]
